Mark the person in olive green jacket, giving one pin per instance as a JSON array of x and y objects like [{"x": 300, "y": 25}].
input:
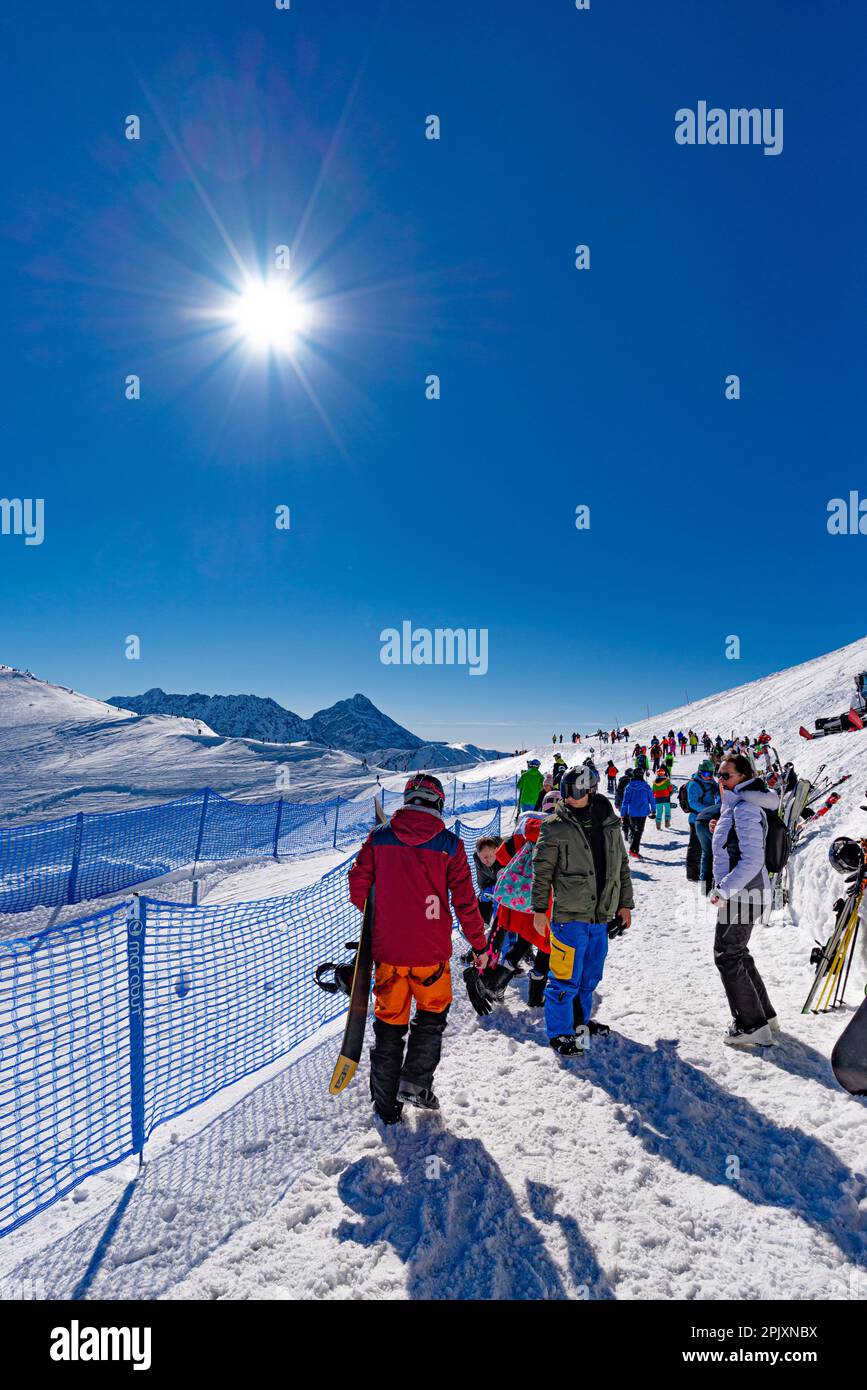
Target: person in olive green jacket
[{"x": 581, "y": 856}]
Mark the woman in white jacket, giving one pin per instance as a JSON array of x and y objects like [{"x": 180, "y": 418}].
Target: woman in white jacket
[{"x": 741, "y": 894}]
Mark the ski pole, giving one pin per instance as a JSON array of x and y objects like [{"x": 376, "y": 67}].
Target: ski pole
[
  {"x": 849, "y": 962},
  {"x": 836, "y": 964}
]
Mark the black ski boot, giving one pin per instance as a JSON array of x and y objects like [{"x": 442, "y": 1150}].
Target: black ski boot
[
  {"x": 422, "y": 1057},
  {"x": 410, "y": 1094},
  {"x": 386, "y": 1060},
  {"x": 594, "y": 1028},
  {"x": 536, "y": 991},
  {"x": 567, "y": 1045}
]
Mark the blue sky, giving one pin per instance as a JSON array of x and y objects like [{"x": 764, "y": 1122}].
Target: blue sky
[{"x": 559, "y": 387}]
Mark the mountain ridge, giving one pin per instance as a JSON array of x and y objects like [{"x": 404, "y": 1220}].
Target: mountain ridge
[{"x": 354, "y": 724}]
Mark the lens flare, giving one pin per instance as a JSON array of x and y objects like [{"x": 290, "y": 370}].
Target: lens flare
[{"x": 270, "y": 316}]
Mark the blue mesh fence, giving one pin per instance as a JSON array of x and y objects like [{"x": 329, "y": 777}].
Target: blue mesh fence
[
  {"x": 120, "y": 848},
  {"x": 113, "y": 1024},
  {"x": 64, "y": 1061},
  {"x": 36, "y": 864},
  {"x": 88, "y": 856},
  {"x": 229, "y": 989}
]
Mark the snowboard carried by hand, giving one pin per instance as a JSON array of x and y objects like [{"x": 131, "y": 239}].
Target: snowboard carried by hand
[{"x": 359, "y": 994}]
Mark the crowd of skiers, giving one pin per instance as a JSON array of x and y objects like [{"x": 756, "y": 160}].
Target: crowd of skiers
[
  {"x": 604, "y": 736},
  {"x": 550, "y": 895}
]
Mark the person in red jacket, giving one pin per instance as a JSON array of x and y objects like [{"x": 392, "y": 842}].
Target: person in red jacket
[
  {"x": 511, "y": 921},
  {"x": 415, "y": 864}
]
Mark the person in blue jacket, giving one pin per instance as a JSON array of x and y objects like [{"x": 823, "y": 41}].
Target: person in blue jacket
[
  {"x": 637, "y": 805},
  {"x": 703, "y": 796}
]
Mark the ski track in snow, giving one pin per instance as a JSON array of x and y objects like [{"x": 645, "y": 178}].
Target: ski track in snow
[{"x": 660, "y": 1165}]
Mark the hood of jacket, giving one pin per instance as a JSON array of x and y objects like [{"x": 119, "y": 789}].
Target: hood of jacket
[
  {"x": 414, "y": 825},
  {"x": 755, "y": 792},
  {"x": 529, "y": 824}
]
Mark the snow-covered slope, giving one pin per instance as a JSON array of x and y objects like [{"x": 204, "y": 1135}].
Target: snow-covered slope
[
  {"x": 62, "y": 752},
  {"x": 661, "y": 1165},
  {"x": 779, "y": 703}
]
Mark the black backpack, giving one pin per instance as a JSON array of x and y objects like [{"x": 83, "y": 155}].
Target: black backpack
[
  {"x": 777, "y": 844},
  {"x": 683, "y": 798}
]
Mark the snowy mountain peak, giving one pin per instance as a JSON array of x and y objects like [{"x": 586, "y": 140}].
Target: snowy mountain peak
[
  {"x": 354, "y": 724},
  {"x": 358, "y": 725},
  {"x": 234, "y": 716}
]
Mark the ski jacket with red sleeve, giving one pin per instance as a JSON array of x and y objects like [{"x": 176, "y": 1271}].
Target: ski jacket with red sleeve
[{"x": 416, "y": 863}]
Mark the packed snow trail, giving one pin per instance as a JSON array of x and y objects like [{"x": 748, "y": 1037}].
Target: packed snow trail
[{"x": 661, "y": 1165}]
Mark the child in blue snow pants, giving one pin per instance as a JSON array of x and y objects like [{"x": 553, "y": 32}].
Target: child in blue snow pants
[{"x": 578, "y": 951}]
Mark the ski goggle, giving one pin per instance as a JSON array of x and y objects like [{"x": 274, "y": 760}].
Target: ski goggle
[{"x": 422, "y": 783}]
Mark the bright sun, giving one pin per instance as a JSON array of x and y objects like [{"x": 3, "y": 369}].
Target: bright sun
[{"x": 270, "y": 316}]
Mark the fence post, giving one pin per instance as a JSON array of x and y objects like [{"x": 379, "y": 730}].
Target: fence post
[
  {"x": 454, "y": 794},
  {"x": 277, "y": 826},
  {"x": 135, "y": 946},
  {"x": 336, "y": 819},
  {"x": 200, "y": 837},
  {"x": 76, "y": 855},
  {"x": 488, "y": 793}
]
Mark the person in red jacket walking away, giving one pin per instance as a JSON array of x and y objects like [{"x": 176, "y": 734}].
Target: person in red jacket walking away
[{"x": 415, "y": 864}]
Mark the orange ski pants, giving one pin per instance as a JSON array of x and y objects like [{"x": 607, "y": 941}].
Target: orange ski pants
[{"x": 396, "y": 986}]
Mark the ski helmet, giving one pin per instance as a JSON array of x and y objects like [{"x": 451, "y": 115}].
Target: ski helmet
[
  {"x": 534, "y": 762},
  {"x": 845, "y": 855},
  {"x": 549, "y": 801},
  {"x": 705, "y": 765},
  {"x": 579, "y": 781},
  {"x": 424, "y": 790}
]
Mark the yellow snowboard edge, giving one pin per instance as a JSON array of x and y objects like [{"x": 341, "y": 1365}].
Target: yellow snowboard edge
[{"x": 342, "y": 1074}]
